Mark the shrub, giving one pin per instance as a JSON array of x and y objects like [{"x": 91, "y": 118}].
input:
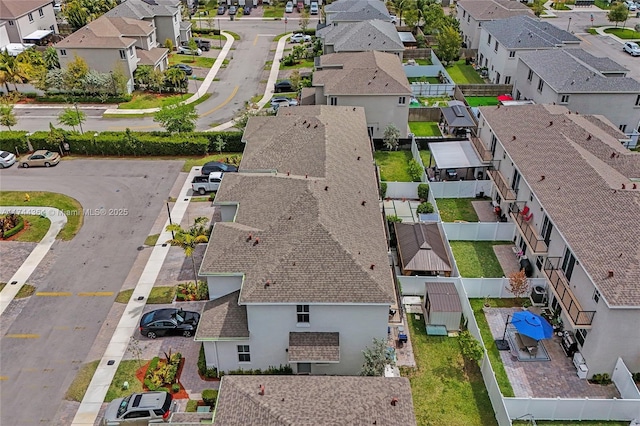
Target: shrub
[
  {"x": 471, "y": 349},
  {"x": 383, "y": 189},
  {"x": 17, "y": 227},
  {"x": 425, "y": 207},
  {"x": 12, "y": 140},
  {"x": 209, "y": 397},
  {"x": 175, "y": 388},
  {"x": 423, "y": 191},
  {"x": 415, "y": 171},
  {"x": 281, "y": 370},
  {"x": 163, "y": 389},
  {"x": 394, "y": 218}
]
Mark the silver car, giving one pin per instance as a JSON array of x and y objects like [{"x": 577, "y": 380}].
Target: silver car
[
  {"x": 139, "y": 408},
  {"x": 6, "y": 159},
  {"x": 187, "y": 51}
]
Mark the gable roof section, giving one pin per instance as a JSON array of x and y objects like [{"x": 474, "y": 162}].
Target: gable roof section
[
  {"x": 581, "y": 191},
  {"x": 488, "y": 10},
  {"x": 314, "y": 347},
  {"x": 365, "y": 14},
  {"x": 13, "y": 9},
  {"x": 362, "y": 36},
  {"x": 361, "y": 73},
  {"x": 304, "y": 239},
  {"x": 107, "y": 33},
  {"x": 525, "y": 32},
  {"x": 421, "y": 247},
  {"x": 141, "y": 9},
  {"x": 355, "y": 5},
  {"x": 151, "y": 56},
  {"x": 566, "y": 73},
  {"x": 443, "y": 297},
  {"x": 314, "y": 400},
  {"x": 223, "y": 318}
]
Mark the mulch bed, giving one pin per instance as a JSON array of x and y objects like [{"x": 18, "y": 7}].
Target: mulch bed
[
  {"x": 182, "y": 394},
  {"x": 27, "y": 225}
]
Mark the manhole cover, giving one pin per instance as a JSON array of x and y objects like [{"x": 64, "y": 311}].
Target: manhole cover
[{"x": 140, "y": 248}]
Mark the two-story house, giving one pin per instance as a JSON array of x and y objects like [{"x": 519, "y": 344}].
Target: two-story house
[
  {"x": 350, "y": 11},
  {"x": 298, "y": 268},
  {"x": 502, "y": 40},
  {"x": 472, "y": 14},
  {"x": 361, "y": 37},
  {"x": 107, "y": 44},
  {"x": 373, "y": 80},
  {"x": 166, "y": 16},
  {"x": 573, "y": 192},
  {"x": 28, "y": 21},
  {"x": 584, "y": 83}
]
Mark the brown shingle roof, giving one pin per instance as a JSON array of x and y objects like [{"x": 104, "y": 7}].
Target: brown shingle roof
[
  {"x": 223, "y": 318},
  {"x": 107, "y": 32},
  {"x": 361, "y": 73},
  {"x": 317, "y": 241},
  {"x": 443, "y": 297},
  {"x": 314, "y": 347},
  {"x": 584, "y": 168},
  {"x": 12, "y": 9},
  {"x": 151, "y": 57},
  {"x": 487, "y": 10},
  {"x": 314, "y": 400},
  {"x": 421, "y": 247}
]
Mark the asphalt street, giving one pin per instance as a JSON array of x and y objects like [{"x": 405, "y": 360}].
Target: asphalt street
[{"x": 51, "y": 337}]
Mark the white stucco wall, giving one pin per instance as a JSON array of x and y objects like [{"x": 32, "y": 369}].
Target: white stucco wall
[
  {"x": 101, "y": 60},
  {"x": 4, "y": 35},
  {"x": 23, "y": 27},
  {"x": 469, "y": 27},
  {"x": 168, "y": 27},
  {"x": 222, "y": 285}
]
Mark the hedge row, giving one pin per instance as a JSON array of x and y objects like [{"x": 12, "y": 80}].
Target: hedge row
[
  {"x": 11, "y": 140},
  {"x": 13, "y": 231}
]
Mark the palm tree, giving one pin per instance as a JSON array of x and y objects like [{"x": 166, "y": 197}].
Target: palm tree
[
  {"x": 12, "y": 71},
  {"x": 50, "y": 58},
  {"x": 174, "y": 77},
  {"x": 189, "y": 239},
  {"x": 141, "y": 75}
]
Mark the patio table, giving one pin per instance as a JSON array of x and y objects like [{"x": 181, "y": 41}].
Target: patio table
[{"x": 531, "y": 345}]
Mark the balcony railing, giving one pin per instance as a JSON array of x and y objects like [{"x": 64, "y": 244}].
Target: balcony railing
[
  {"x": 561, "y": 289},
  {"x": 529, "y": 232},
  {"x": 484, "y": 153},
  {"x": 506, "y": 192}
]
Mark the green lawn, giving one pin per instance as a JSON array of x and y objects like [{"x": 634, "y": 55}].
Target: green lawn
[
  {"x": 476, "y": 259},
  {"x": 434, "y": 101},
  {"x": 25, "y": 291},
  {"x": 476, "y": 101},
  {"x": 623, "y": 33},
  {"x": 81, "y": 382},
  {"x": 461, "y": 73},
  {"x": 603, "y": 4},
  {"x": 423, "y": 61},
  {"x": 274, "y": 12},
  {"x": 71, "y": 207},
  {"x": 126, "y": 372},
  {"x": 151, "y": 240},
  {"x": 492, "y": 350},
  {"x": 158, "y": 295},
  {"x": 452, "y": 209},
  {"x": 394, "y": 165},
  {"x": 430, "y": 80},
  {"x": 35, "y": 229},
  {"x": 302, "y": 64},
  {"x": 425, "y": 156},
  {"x": 153, "y": 100},
  {"x": 200, "y": 61},
  {"x": 444, "y": 391},
  {"x": 225, "y": 157},
  {"x": 425, "y": 128}
]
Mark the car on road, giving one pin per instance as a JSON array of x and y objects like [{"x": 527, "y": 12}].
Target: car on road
[
  {"x": 183, "y": 50},
  {"x": 300, "y": 38},
  {"x": 283, "y": 86},
  {"x": 184, "y": 67},
  {"x": 222, "y": 10},
  {"x": 314, "y": 8},
  {"x": 139, "y": 408},
  {"x": 6, "y": 159},
  {"x": 233, "y": 10},
  {"x": 631, "y": 48},
  {"x": 41, "y": 158},
  {"x": 169, "y": 321},
  {"x": 289, "y": 7},
  {"x": 217, "y": 166}
]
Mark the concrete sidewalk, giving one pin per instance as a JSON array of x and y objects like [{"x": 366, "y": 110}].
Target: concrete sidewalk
[
  {"x": 199, "y": 93},
  {"x": 58, "y": 219},
  {"x": 268, "y": 92},
  {"x": 102, "y": 378}
]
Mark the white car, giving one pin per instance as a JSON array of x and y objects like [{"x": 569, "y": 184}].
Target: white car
[
  {"x": 632, "y": 48},
  {"x": 632, "y": 7},
  {"x": 183, "y": 50},
  {"x": 300, "y": 38},
  {"x": 394, "y": 19},
  {"x": 314, "y": 9},
  {"x": 6, "y": 159},
  {"x": 289, "y": 7}
]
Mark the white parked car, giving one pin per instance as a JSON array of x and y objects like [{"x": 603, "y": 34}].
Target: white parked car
[
  {"x": 183, "y": 50},
  {"x": 289, "y": 7},
  {"x": 632, "y": 48},
  {"x": 300, "y": 38},
  {"x": 633, "y": 7},
  {"x": 6, "y": 159}
]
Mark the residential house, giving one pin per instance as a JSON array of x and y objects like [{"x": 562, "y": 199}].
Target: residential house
[
  {"x": 584, "y": 83},
  {"x": 473, "y": 13},
  {"x": 502, "y": 40},
  {"x": 350, "y": 11},
  {"x": 108, "y": 44},
  {"x": 361, "y": 37},
  {"x": 573, "y": 192},
  {"x": 26, "y": 17},
  {"x": 298, "y": 268},
  {"x": 373, "y": 80},
  {"x": 166, "y": 16},
  {"x": 318, "y": 400}
]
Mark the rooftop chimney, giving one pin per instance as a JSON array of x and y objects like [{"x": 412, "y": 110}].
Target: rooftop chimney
[
  {"x": 261, "y": 391},
  {"x": 394, "y": 401},
  {"x": 610, "y": 273}
]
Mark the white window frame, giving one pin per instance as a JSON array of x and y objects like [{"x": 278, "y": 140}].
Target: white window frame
[
  {"x": 540, "y": 85},
  {"x": 244, "y": 351},
  {"x": 333, "y": 100},
  {"x": 495, "y": 48},
  {"x": 302, "y": 314},
  {"x": 596, "y": 295},
  {"x": 530, "y": 75},
  {"x": 123, "y": 54},
  {"x": 564, "y": 99},
  {"x": 41, "y": 12},
  {"x": 489, "y": 40},
  {"x": 512, "y": 54},
  {"x": 402, "y": 100}
]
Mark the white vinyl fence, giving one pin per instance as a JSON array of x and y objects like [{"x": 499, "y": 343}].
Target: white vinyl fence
[
  {"x": 573, "y": 408},
  {"x": 426, "y": 90},
  {"x": 480, "y": 231},
  {"x": 460, "y": 188},
  {"x": 623, "y": 380},
  {"x": 399, "y": 190},
  {"x": 494, "y": 287}
]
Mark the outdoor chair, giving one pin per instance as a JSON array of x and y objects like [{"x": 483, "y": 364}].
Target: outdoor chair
[
  {"x": 525, "y": 211},
  {"x": 528, "y": 218}
]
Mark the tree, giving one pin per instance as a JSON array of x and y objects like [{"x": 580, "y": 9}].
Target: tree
[
  {"x": 168, "y": 43},
  {"x": 538, "y": 7},
  {"x": 375, "y": 359},
  {"x": 391, "y": 137},
  {"x": 175, "y": 78},
  {"x": 119, "y": 80},
  {"x": 399, "y": 7},
  {"x": 471, "y": 349},
  {"x": 518, "y": 284},
  {"x": 294, "y": 78},
  {"x": 433, "y": 17},
  {"x": 188, "y": 239},
  {"x": 304, "y": 21},
  {"x": 50, "y": 58},
  {"x": 142, "y": 75},
  {"x": 77, "y": 16},
  {"x": 72, "y": 117},
  {"x": 7, "y": 116},
  {"x": 193, "y": 46},
  {"x": 449, "y": 43},
  {"x": 177, "y": 118},
  {"x": 220, "y": 144},
  {"x": 156, "y": 81},
  {"x": 12, "y": 70},
  {"x": 411, "y": 18},
  {"x": 75, "y": 72},
  {"x": 618, "y": 13}
]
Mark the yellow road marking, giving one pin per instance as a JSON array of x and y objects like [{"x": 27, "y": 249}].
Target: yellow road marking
[
  {"x": 583, "y": 39},
  {"x": 61, "y": 327},
  {"x": 53, "y": 293},
  {"x": 255, "y": 40},
  {"x": 96, "y": 293},
  {"x": 226, "y": 101},
  {"x": 22, "y": 336},
  {"x": 4, "y": 378}
]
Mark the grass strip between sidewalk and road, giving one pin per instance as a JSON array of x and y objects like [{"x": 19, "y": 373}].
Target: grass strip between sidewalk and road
[
  {"x": 81, "y": 382},
  {"x": 158, "y": 295}
]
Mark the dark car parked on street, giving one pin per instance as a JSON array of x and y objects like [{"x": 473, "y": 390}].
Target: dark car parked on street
[
  {"x": 283, "y": 86},
  {"x": 246, "y": 10},
  {"x": 217, "y": 166},
  {"x": 169, "y": 321},
  {"x": 184, "y": 67}
]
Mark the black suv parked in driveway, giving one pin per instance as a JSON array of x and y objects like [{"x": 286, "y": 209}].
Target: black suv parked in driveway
[{"x": 203, "y": 44}]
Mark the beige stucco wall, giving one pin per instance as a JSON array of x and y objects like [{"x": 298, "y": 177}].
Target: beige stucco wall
[
  {"x": 23, "y": 27},
  {"x": 101, "y": 60}
]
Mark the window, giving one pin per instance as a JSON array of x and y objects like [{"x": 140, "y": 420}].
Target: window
[
  {"x": 622, "y": 127},
  {"x": 596, "y": 295},
  {"x": 464, "y": 13},
  {"x": 40, "y": 12},
  {"x": 523, "y": 245},
  {"x": 123, "y": 54},
  {"x": 540, "y": 85},
  {"x": 30, "y": 15},
  {"x": 243, "y": 353},
  {"x": 489, "y": 39},
  {"x": 515, "y": 180},
  {"x": 512, "y": 54},
  {"x": 581, "y": 335},
  {"x": 130, "y": 51},
  {"x": 140, "y": 414},
  {"x": 63, "y": 52},
  {"x": 497, "y": 78},
  {"x": 494, "y": 141},
  {"x": 495, "y": 48},
  {"x": 530, "y": 76},
  {"x": 539, "y": 260},
  {"x": 507, "y": 79},
  {"x": 402, "y": 100},
  {"x": 11, "y": 23},
  {"x": 333, "y": 101},
  {"x": 52, "y": 28},
  {"x": 468, "y": 19},
  {"x": 303, "y": 313},
  {"x": 481, "y": 58},
  {"x": 564, "y": 99},
  {"x": 637, "y": 99},
  {"x": 568, "y": 262},
  {"x": 547, "y": 227},
  {"x": 518, "y": 95}
]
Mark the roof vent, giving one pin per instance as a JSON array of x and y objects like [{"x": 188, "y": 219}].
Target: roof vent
[
  {"x": 249, "y": 237},
  {"x": 394, "y": 401},
  {"x": 256, "y": 242},
  {"x": 372, "y": 266},
  {"x": 589, "y": 137},
  {"x": 358, "y": 158},
  {"x": 635, "y": 186},
  {"x": 354, "y": 108},
  {"x": 624, "y": 186},
  {"x": 261, "y": 391},
  {"x": 610, "y": 273},
  {"x": 364, "y": 203},
  {"x": 267, "y": 284},
  {"x": 326, "y": 188},
  {"x": 550, "y": 124},
  {"x": 513, "y": 138},
  {"x": 542, "y": 177}
]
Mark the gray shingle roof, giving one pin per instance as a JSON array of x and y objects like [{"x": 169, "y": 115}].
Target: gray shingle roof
[
  {"x": 139, "y": 9},
  {"x": 314, "y": 400},
  {"x": 457, "y": 115},
  {"x": 526, "y": 32},
  {"x": 367, "y": 13},
  {"x": 421, "y": 247},
  {"x": 314, "y": 347},
  {"x": 565, "y": 73},
  {"x": 355, "y": 5},
  {"x": 488, "y": 10},
  {"x": 312, "y": 239},
  {"x": 363, "y": 36},
  {"x": 443, "y": 297},
  {"x": 365, "y": 73},
  {"x": 603, "y": 64},
  {"x": 582, "y": 188},
  {"x": 223, "y": 318}
]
